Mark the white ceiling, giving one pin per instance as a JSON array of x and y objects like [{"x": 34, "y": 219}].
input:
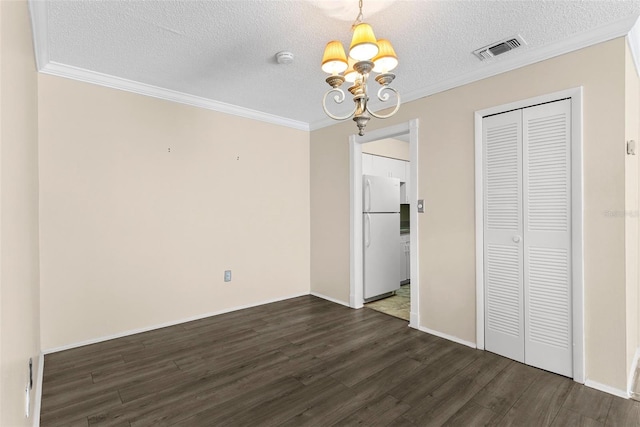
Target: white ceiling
[{"x": 221, "y": 54}]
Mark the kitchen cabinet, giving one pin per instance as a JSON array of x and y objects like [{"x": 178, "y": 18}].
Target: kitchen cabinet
[
  {"x": 404, "y": 192},
  {"x": 391, "y": 168},
  {"x": 397, "y": 169},
  {"x": 405, "y": 186},
  {"x": 384, "y": 166},
  {"x": 405, "y": 257}
]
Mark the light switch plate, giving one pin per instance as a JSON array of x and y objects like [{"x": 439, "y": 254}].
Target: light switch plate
[
  {"x": 631, "y": 147},
  {"x": 421, "y": 205}
]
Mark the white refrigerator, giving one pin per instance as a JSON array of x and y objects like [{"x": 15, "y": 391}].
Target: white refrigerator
[{"x": 381, "y": 222}]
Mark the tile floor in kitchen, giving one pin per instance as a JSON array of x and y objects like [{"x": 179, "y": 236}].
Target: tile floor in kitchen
[{"x": 398, "y": 305}]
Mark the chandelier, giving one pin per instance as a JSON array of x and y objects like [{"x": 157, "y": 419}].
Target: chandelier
[{"x": 366, "y": 54}]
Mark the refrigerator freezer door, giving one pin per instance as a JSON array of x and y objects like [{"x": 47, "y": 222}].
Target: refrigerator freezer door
[
  {"x": 381, "y": 256},
  {"x": 380, "y": 194}
]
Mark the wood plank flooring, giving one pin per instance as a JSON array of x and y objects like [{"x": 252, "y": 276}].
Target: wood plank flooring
[{"x": 309, "y": 362}]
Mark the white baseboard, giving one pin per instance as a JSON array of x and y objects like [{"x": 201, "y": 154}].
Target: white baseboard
[
  {"x": 337, "y": 301},
  {"x": 37, "y": 404},
  {"x": 448, "y": 337},
  {"x": 607, "y": 389},
  {"x": 356, "y": 305},
  {"x": 164, "y": 325},
  {"x": 414, "y": 320}
]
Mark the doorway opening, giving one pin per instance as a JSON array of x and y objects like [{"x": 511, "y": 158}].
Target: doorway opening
[
  {"x": 386, "y": 162},
  {"x": 388, "y": 153}
]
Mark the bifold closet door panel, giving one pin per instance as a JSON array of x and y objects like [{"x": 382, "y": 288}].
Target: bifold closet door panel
[
  {"x": 547, "y": 236},
  {"x": 503, "y": 227}
]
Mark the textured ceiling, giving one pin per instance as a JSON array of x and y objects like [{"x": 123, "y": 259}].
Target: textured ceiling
[{"x": 224, "y": 50}]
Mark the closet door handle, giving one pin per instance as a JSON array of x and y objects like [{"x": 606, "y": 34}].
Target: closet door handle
[{"x": 516, "y": 239}]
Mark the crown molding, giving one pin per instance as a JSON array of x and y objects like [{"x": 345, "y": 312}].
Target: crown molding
[
  {"x": 633, "y": 39},
  {"x": 629, "y": 26},
  {"x": 81, "y": 74},
  {"x": 38, "y": 10}
]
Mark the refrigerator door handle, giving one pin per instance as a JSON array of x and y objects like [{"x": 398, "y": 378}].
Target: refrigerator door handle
[{"x": 367, "y": 234}]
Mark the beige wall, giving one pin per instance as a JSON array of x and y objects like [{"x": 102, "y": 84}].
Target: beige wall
[
  {"x": 632, "y": 128},
  {"x": 19, "y": 293},
  {"x": 446, "y": 182},
  {"x": 329, "y": 172},
  {"x": 388, "y": 147},
  {"x": 144, "y": 204}
]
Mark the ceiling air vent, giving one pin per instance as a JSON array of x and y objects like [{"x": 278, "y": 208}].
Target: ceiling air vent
[{"x": 499, "y": 48}]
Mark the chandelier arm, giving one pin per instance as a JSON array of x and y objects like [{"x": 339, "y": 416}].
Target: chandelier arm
[
  {"x": 385, "y": 97},
  {"x": 338, "y": 98}
]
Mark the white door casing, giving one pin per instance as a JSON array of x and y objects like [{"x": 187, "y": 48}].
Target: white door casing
[{"x": 356, "y": 250}]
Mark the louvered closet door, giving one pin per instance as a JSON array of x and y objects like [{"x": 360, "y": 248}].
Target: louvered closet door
[
  {"x": 527, "y": 235},
  {"x": 547, "y": 236},
  {"x": 503, "y": 256}
]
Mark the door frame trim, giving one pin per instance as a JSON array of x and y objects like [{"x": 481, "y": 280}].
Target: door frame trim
[
  {"x": 577, "y": 231},
  {"x": 356, "y": 281}
]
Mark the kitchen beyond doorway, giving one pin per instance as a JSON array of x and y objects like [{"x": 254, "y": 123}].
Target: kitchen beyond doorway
[{"x": 385, "y": 168}]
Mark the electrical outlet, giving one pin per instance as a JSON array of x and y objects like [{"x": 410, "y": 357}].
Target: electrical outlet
[{"x": 227, "y": 275}]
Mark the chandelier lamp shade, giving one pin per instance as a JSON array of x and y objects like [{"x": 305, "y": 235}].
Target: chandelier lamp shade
[{"x": 366, "y": 55}]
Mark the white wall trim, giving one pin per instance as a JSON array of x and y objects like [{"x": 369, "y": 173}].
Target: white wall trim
[
  {"x": 577, "y": 235},
  {"x": 607, "y": 389},
  {"x": 337, "y": 301},
  {"x": 576, "y": 96},
  {"x": 37, "y": 405},
  {"x": 164, "y": 325},
  {"x": 356, "y": 282},
  {"x": 81, "y": 74},
  {"x": 448, "y": 337},
  {"x": 526, "y": 57},
  {"x": 479, "y": 214},
  {"x": 356, "y": 275},
  {"x": 414, "y": 276},
  {"x": 631, "y": 377},
  {"x": 633, "y": 40}
]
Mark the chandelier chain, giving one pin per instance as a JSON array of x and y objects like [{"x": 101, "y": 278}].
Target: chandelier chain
[{"x": 359, "y": 18}]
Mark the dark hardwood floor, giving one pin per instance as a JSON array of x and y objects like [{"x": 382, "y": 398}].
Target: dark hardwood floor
[{"x": 306, "y": 361}]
